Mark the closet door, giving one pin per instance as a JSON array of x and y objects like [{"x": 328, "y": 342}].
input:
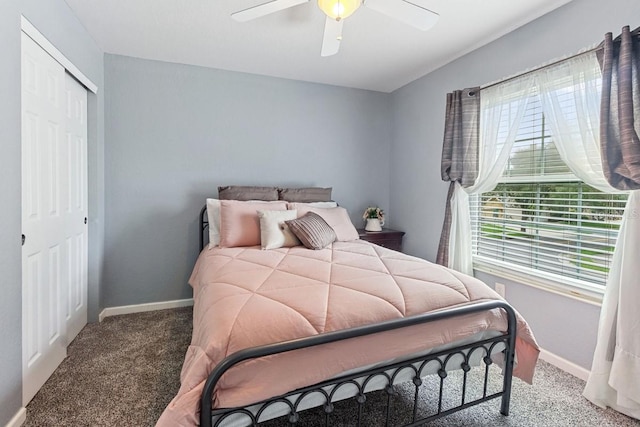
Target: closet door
[
  {"x": 75, "y": 305},
  {"x": 54, "y": 188}
]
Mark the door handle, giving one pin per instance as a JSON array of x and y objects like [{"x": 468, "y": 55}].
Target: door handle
[
  {"x": 85, "y": 219},
  {"x": 23, "y": 239}
]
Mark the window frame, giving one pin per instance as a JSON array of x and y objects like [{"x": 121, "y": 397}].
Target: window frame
[
  {"x": 568, "y": 287},
  {"x": 553, "y": 282}
]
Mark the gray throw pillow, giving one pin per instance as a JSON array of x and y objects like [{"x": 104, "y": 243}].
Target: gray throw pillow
[
  {"x": 305, "y": 195},
  {"x": 244, "y": 193},
  {"x": 312, "y": 231}
]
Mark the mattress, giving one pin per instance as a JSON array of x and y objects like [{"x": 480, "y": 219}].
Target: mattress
[{"x": 246, "y": 297}]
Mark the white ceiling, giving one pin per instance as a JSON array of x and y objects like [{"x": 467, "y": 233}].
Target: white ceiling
[{"x": 376, "y": 53}]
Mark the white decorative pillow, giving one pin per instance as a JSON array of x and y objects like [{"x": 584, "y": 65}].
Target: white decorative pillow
[{"x": 274, "y": 233}]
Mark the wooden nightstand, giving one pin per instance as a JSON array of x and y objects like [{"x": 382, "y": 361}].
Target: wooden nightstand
[{"x": 391, "y": 239}]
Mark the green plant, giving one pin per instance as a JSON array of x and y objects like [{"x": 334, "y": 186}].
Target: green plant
[{"x": 373, "y": 212}]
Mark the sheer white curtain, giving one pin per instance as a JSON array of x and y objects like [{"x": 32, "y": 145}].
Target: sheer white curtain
[
  {"x": 501, "y": 110},
  {"x": 614, "y": 380},
  {"x": 570, "y": 93}
]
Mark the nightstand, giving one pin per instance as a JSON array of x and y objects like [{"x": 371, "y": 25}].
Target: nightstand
[{"x": 391, "y": 239}]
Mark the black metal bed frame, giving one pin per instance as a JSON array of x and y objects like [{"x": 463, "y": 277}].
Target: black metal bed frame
[{"x": 359, "y": 381}]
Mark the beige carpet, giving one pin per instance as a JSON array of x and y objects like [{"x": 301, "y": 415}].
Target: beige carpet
[{"x": 124, "y": 371}]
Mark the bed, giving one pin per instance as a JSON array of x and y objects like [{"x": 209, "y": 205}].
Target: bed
[{"x": 282, "y": 330}]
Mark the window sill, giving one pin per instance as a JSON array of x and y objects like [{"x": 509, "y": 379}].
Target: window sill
[{"x": 569, "y": 288}]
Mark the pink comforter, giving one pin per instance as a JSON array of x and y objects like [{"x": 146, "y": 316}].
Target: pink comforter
[{"x": 246, "y": 297}]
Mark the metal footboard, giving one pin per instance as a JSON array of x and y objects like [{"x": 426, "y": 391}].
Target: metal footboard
[{"x": 358, "y": 382}]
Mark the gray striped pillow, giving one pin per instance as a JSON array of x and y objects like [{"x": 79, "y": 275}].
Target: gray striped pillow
[{"x": 312, "y": 230}]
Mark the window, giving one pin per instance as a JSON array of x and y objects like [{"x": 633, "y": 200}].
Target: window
[{"x": 541, "y": 219}]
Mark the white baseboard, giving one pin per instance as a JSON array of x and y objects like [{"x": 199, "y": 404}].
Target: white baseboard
[
  {"x": 19, "y": 418},
  {"x": 564, "y": 364},
  {"x": 140, "y": 308}
]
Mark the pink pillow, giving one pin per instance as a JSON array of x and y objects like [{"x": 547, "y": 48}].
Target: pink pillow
[
  {"x": 337, "y": 218},
  {"x": 239, "y": 222}
]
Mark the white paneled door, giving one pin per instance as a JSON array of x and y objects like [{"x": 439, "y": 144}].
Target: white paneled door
[
  {"x": 75, "y": 309},
  {"x": 54, "y": 211}
]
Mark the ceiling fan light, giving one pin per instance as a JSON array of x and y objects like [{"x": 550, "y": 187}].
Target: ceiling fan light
[{"x": 339, "y": 9}]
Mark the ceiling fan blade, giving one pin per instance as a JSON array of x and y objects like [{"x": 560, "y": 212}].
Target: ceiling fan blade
[
  {"x": 405, "y": 11},
  {"x": 265, "y": 9},
  {"x": 332, "y": 37}
]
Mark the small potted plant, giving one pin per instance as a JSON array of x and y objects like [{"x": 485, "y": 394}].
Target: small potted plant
[{"x": 374, "y": 217}]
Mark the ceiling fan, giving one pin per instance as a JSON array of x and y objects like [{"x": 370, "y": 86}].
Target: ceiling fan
[{"x": 337, "y": 10}]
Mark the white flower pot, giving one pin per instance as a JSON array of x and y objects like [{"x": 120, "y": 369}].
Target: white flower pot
[{"x": 373, "y": 224}]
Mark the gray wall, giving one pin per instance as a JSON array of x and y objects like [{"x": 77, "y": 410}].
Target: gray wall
[
  {"x": 55, "y": 20},
  {"x": 417, "y": 190},
  {"x": 176, "y": 132}
]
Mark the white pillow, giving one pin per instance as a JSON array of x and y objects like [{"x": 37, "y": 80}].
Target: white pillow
[
  {"x": 331, "y": 204},
  {"x": 274, "y": 233},
  {"x": 213, "y": 216}
]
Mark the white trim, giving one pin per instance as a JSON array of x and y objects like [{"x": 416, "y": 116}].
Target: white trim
[
  {"x": 527, "y": 179},
  {"x": 140, "y": 308},
  {"x": 28, "y": 28},
  {"x": 564, "y": 364},
  {"x": 19, "y": 418},
  {"x": 536, "y": 280}
]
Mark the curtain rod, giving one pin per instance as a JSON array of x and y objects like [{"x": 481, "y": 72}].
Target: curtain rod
[
  {"x": 541, "y": 67},
  {"x": 634, "y": 33}
]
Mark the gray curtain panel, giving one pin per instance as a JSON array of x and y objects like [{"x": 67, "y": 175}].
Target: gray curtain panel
[
  {"x": 620, "y": 118},
  {"x": 620, "y": 109},
  {"x": 459, "y": 153}
]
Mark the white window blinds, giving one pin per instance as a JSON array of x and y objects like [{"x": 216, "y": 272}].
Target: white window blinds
[{"x": 541, "y": 218}]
